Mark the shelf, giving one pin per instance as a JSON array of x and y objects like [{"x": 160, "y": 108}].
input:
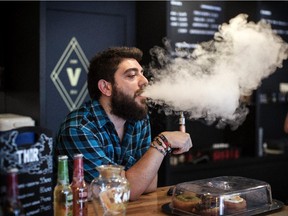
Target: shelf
[{"x": 249, "y": 161}]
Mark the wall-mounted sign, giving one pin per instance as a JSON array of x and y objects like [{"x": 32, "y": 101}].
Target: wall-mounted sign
[
  {"x": 70, "y": 75},
  {"x": 192, "y": 22}
]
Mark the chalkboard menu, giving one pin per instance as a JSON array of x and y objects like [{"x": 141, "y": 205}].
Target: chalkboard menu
[
  {"x": 29, "y": 149},
  {"x": 192, "y": 22},
  {"x": 275, "y": 14},
  {"x": 273, "y": 109}
]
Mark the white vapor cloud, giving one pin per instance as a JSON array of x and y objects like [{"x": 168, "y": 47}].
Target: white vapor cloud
[{"x": 210, "y": 81}]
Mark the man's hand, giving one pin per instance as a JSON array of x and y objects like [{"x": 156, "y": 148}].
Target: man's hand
[{"x": 180, "y": 142}]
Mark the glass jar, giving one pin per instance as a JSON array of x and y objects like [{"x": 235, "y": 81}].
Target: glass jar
[{"x": 110, "y": 191}]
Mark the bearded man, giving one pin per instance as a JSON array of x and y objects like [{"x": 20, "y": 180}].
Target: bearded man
[{"x": 113, "y": 126}]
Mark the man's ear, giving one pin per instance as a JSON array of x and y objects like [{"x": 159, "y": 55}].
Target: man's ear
[{"x": 105, "y": 87}]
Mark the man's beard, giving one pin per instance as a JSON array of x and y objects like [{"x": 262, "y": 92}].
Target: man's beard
[{"x": 125, "y": 106}]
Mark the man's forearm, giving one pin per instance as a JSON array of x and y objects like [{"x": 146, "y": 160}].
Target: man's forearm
[
  {"x": 143, "y": 175},
  {"x": 153, "y": 186}
]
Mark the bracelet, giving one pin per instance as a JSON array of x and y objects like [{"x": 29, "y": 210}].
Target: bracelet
[
  {"x": 158, "y": 149},
  {"x": 166, "y": 147},
  {"x": 163, "y": 138},
  {"x": 159, "y": 142},
  {"x": 165, "y": 141}
]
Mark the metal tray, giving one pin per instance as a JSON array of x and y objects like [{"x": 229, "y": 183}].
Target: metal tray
[{"x": 275, "y": 206}]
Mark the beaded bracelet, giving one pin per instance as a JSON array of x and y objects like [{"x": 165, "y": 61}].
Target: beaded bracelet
[{"x": 158, "y": 149}]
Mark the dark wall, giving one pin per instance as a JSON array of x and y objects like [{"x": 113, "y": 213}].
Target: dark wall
[
  {"x": 35, "y": 35},
  {"x": 151, "y": 25},
  {"x": 93, "y": 26},
  {"x": 21, "y": 44},
  {"x": 19, "y": 58}
]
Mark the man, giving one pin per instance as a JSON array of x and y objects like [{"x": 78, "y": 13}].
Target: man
[{"x": 113, "y": 127}]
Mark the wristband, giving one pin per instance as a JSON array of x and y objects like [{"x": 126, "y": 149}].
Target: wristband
[
  {"x": 165, "y": 141},
  {"x": 158, "y": 149},
  {"x": 163, "y": 138},
  {"x": 159, "y": 142}
]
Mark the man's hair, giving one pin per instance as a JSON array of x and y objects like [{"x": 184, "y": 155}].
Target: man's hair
[{"x": 104, "y": 65}]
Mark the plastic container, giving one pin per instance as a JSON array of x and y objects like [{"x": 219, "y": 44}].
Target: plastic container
[
  {"x": 30, "y": 150},
  {"x": 224, "y": 195},
  {"x": 9, "y": 121}
]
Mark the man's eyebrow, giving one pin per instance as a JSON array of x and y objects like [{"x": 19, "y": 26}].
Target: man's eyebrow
[{"x": 133, "y": 69}]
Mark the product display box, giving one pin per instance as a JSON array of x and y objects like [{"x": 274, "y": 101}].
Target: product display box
[
  {"x": 29, "y": 149},
  {"x": 10, "y": 121},
  {"x": 224, "y": 195}
]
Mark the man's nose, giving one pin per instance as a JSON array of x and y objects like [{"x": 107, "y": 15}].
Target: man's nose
[{"x": 143, "y": 80}]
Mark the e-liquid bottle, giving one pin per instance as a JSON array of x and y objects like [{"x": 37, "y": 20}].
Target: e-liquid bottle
[
  {"x": 63, "y": 196},
  {"x": 12, "y": 205},
  {"x": 79, "y": 188}
]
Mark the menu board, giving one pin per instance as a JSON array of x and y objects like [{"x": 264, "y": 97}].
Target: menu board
[
  {"x": 275, "y": 13},
  {"x": 192, "y": 22},
  {"x": 29, "y": 149}
]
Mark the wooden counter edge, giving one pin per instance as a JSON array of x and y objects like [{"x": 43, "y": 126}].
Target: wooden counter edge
[{"x": 151, "y": 204}]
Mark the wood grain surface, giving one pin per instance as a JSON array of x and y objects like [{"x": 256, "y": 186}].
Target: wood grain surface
[{"x": 151, "y": 204}]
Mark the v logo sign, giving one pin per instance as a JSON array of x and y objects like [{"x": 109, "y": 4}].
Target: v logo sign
[{"x": 73, "y": 76}]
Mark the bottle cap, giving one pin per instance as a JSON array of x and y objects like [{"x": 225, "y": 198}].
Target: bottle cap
[
  {"x": 78, "y": 155},
  {"x": 13, "y": 170},
  {"x": 62, "y": 157}
]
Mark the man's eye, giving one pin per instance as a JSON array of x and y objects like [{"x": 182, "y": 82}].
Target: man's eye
[{"x": 131, "y": 75}]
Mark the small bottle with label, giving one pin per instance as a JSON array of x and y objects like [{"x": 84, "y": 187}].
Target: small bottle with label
[
  {"x": 79, "y": 188},
  {"x": 63, "y": 196},
  {"x": 12, "y": 205}
]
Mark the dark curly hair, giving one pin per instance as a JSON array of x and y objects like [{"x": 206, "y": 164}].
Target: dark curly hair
[{"x": 104, "y": 65}]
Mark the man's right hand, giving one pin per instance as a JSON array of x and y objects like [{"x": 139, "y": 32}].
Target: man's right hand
[{"x": 180, "y": 142}]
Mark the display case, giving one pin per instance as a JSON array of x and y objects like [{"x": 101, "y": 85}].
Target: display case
[{"x": 224, "y": 195}]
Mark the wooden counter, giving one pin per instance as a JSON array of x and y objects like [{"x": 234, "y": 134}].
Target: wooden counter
[{"x": 150, "y": 204}]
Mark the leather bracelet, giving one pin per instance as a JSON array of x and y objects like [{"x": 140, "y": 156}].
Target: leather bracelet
[
  {"x": 165, "y": 141},
  {"x": 158, "y": 142},
  {"x": 158, "y": 149},
  {"x": 163, "y": 138}
]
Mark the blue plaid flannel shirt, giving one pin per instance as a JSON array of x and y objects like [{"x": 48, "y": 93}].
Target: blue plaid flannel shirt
[{"x": 89, "y": 131}]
